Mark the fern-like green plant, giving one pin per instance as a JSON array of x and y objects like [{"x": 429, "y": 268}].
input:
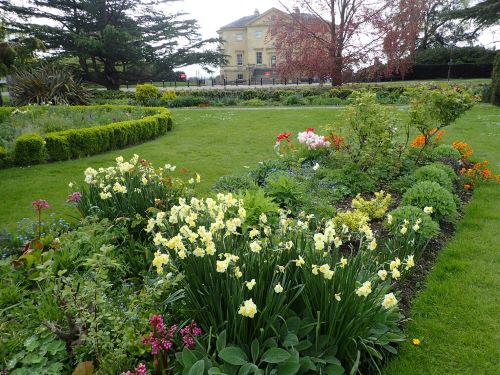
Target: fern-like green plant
[{"x": 47, "y": 85}]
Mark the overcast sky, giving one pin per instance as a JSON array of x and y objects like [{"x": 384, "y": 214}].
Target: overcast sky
[{"x": 213, "y": 14}]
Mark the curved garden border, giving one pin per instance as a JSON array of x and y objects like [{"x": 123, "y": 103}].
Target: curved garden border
[{"x": 76, "y": 143}]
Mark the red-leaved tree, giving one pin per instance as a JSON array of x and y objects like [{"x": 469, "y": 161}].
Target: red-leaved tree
[{"x": 324, "y": 38}]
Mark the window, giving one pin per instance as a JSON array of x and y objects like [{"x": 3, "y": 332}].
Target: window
[
  {"x": 240, "y": 76},
  {"x": 258, "y": 34},
  {"x": 239, "y": 59},
  {"x": 259, "y": 57},
  {"x": 239, "y": 36},
  {"x": 273, "y": 60}
]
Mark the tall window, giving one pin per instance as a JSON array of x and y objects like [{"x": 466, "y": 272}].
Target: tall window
[
  {"x": 259, "y": 57},
  {"x": 258, "y": 34},
  {"x": 239, "y": 36},
  {"x": 239, "y": 59},
  {"x": 273, "y": 60},
  {"x": 240, "y": 76}
]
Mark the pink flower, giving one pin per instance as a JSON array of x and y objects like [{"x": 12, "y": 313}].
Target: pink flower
[
  {"x": 40, "y": 204},
  {"x": 74, "y": 197},
  {"x": 139, "y": 370}
]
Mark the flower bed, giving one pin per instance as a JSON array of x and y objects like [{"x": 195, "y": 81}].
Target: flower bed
[
  {"x": 31, "y": 135},
  {"x": 296, "y": 271}
]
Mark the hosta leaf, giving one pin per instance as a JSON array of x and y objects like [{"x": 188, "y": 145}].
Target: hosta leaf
[{"x": 233, "y": 355}]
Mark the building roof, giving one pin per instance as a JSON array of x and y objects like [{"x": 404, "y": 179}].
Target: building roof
[{"x": 242, "y": 22}]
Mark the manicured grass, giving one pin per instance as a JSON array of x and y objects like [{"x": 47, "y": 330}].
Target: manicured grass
[
  {"x": 211, "y": 142},
  {"x": 455, "y": 81},
  {"x": 456, "y": 315}
]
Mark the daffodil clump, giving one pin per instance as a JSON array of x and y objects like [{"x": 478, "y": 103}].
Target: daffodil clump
[
  {"x": 129, "y": 188},
  {"x": 239, "y": 278}
]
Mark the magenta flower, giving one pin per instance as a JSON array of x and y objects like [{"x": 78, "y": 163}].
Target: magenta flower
[
  {"x": 40, "y": 204},
  {"x": 74, "y": 197},
  {"x": 139, "y": 370}
]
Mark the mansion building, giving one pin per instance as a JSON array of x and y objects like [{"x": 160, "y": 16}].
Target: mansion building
[{"x": 250, "y": 52}]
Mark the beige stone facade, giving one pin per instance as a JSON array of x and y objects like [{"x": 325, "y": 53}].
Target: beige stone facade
[{"x": 250, "y": 50}]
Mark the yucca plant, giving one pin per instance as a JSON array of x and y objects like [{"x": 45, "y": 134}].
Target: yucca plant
[{"x": 47, "y": 84}]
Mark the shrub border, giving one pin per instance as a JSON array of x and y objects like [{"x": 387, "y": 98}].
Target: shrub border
[{"x": 77, "y": 143}]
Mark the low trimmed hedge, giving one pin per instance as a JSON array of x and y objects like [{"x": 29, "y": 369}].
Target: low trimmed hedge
[
  {"x": 76, "y": 143},
  {"x": 29, "y": 150}
]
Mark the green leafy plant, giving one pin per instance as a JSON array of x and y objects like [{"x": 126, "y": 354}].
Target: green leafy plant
[
  {"x": 415, "y": 220},
  {"x": 43, "y": 353},
  {"x": 445, "y": 151},
  {"x": 285, "y": 190},
  {"x": 431, "y": 194},
  {"x": 47, "y": 84},
  {"x": 146, "y": 92},
  {"x": 375, "y": 208},
  {"x": 433, "y": 173}
]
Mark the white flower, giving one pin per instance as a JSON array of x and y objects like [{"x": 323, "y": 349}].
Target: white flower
[
  {"x": 263, "y": 218},
  {"x": 299, "y": 262},
  {"x": 255, "y": 246},
  {"x": 119, "y": 159},
  {"x": 389, "y": 219},
  {"x": 382, "y": 274},
  {"x": 428, "y": 210},
  {"x": 373, "y": 244},
  {"x": 254, "y": 233},
  {"x": 389, "y": 301},
  {"x": 316, "y": 167},
  {"x": 222, "y": 265},
  {"x": 409, "y": 262},
  {"x": 337, "y": 297},
  {"x": 248, "y": 309},
  {"x": 404, "y": 229},
  {"x": 395, "y": 274},
  {"x": 104, "y": 195},
  {"x": 343, "y": 262},
  {"x": 365, "y": 289},
  {"x": 278, "y": 288},
  {"x": 416, "y": 227},
  {"x": 250, "y": 284}
]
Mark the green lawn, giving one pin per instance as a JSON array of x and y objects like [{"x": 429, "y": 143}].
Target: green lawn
[
  {"x": 456, "y": 315},
  {"x": 211, "y": 142}
]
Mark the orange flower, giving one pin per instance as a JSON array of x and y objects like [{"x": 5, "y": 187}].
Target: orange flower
[
  {"x": 419, "y": 141},
  {"x": 467, "y": 186},
  {"x": 464, "y": 149},
  {"x": 486, "y": 173}
]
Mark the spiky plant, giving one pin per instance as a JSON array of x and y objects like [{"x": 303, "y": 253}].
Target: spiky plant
[{"x": 47, "y": 84}]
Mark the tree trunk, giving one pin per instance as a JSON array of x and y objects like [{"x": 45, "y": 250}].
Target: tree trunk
[
  {"x": 111, "y": 76},
  {"x": 337, "y": 71}
]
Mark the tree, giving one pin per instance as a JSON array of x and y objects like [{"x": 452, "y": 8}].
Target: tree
[
  {"x": 112, "y": 37},
  {"x": 323, "y": 38},
  {"x": 14, "y": 50},
  {"x": 440, "y": 29},
  {"x": 495, "y": 81},
  {"x": 485, "y": 13}
]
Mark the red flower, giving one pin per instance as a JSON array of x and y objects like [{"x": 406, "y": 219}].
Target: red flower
[
  {"x": 310, "y": 130},
  {"x": 282, "y": 136}
]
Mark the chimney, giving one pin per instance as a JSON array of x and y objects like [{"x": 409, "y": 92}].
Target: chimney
[{"x": 256, "y": 13}]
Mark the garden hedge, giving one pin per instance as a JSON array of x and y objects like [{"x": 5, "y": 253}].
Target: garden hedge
[
  {"x": 28, "y": 150},
  {"x": 76, "y": 143}
]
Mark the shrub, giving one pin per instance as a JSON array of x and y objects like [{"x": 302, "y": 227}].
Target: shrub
[
  {"x": 352, "y": 180},
  {"x": 188, "y": 101},
  {"x": 58, "y": 147},
  {"x": 168, "y": 95},
  {"x": 446, "y": 168},
  {"x": 295, "y": 99},
  {"x": 265, "y": 169},
  {"x": 146, "y": 92},
  {"x": 4, "y": 157},
  {"x": 415, "y": 220},
  {"x": 47, "y": 84},
  {"x": 432, "y": 173},
  {"x": 28, "y": 150},
  {"x": 445, "y": 151},
  {"x": 431, "y": 194},
  {"x": 233, "y": 184},
  {"x": 374, "y": 208}
]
